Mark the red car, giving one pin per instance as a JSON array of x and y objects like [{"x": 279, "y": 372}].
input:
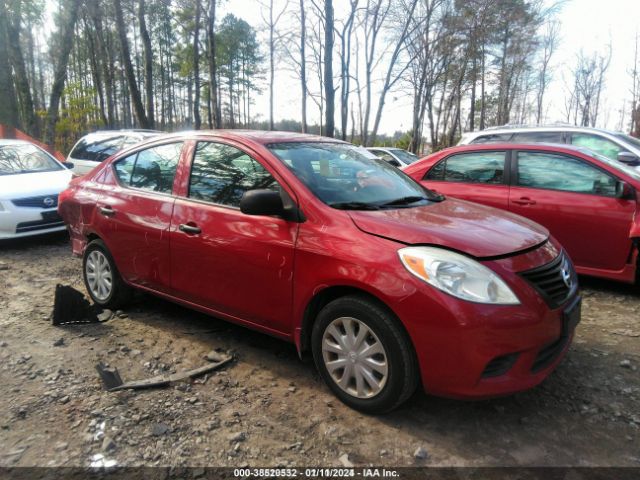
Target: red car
[
  {"x": 587, "y": 201},
  {"x": 313, "y": 241}
]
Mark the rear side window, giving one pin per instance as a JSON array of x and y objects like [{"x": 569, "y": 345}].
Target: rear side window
[
  {"x": 97, "y": 150},
  {"x": 473, "y": 167},
  {"x": 221, "y": 174},
  {"x": 597, "y": 143},
  {"x": 538, "y": 137},
  {"x": 492, "y": 138},
  {"x": 152, "y": 169},
  {"x": 559, "y": 172}
]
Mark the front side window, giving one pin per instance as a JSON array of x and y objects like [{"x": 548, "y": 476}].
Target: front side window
[
  {"x": 538, "y": 137},
  {"x": 344, "y": 178},
  {"x": 596, "y": 143},
  {"x": 25, "y": 158},
  {"x": 221, "y": 174},
  {"x": 559, "y": 172},
  {"x": 472, "y": 167},
  {"x": 406, "y": 157},
  {"x": 152, "y": 169}
]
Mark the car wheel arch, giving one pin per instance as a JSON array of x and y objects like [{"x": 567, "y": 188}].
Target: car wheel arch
[{"x": 328, "y": 295}]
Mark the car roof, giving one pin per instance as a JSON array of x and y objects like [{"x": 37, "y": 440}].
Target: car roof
[
  {"x": 13, "y": 141},
  {"x": 539, "y": 128},
  {"x": 263, "y": 137}
]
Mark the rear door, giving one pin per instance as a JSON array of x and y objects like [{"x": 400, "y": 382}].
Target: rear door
[
  {"x": 577, "y": 202},
  {"x": 236, "y": 264},
  {"x": 134, "y": 214},
  {"x": 475, "y": 176}
]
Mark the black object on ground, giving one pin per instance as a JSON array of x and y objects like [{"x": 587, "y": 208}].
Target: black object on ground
[
  {"x": 112, "y": 381},
  {"x": 71, "y": 306}
]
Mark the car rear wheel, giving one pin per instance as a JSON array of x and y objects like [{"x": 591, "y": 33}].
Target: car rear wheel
[
  {"x": 101, "y": 277},
  {"x": 364, "y": 355}
]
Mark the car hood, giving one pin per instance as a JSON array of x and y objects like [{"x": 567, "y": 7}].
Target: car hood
[
  {"x": 454, "y": 224},
  {"x": 32, "y": 184}
]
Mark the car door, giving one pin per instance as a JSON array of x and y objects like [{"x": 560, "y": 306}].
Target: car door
[
  {"x": 134, "y": 214},
  {"x": 475, "y": 176},
  {"x": 236, "y": 264},
  {"x": 577, "y": 202}
]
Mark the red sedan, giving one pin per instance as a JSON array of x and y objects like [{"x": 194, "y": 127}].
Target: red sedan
[
  {"x": 587, "y": 201},
  {"x": 311, "y": 240}
]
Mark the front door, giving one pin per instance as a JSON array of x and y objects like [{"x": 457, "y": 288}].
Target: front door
[
  {"x": 577, "y": 202},
  {"x": 236, "y": 264}
]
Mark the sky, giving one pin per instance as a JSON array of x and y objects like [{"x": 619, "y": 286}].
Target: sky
[{"x": 588, "y": 25}]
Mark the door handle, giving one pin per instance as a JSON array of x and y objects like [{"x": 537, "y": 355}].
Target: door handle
[
  {"x": 107, "y": 211},
  {"x": 524, "y": 201},
  {"x": 189, "y": 229}
]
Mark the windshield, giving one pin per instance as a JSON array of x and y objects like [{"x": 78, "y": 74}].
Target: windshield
[
  {"x": 406, "y": 157},
  {"x": 343, "y": 177},
  {"x": 621, "y": 167},
  {"x": 629, "y": 139},
  {"x": 25, "y": 158}
]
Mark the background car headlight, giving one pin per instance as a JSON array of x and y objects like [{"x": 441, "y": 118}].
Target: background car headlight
[{"x": 457, "y": 275}]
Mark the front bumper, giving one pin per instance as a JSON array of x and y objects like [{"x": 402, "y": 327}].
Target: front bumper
[
  {"x": 472, "y": 351},
  {"x": 16, "y": 222}
]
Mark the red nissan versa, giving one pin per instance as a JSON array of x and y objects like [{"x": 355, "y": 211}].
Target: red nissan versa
[
  {"x": 313, "y": 241},
  {"x": 587, "y": 201}
]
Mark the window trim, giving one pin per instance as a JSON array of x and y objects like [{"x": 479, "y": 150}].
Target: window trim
[
  {"x": 136, "y": 153},
  {"x": 516, "y": 172},
  {"x": 196, "y": 141},
  {"x": 506, "y": 175}
]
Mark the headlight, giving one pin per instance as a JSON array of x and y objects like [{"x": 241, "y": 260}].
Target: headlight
[{"x": 457, "y": 275}]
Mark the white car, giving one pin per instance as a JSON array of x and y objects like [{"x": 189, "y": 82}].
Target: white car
[
  {"x": 614, "y": 145},
  {"x": 30, "y": 181},
  {"x": 96, "y": 147},
  {"x": 395, "y": 156}
]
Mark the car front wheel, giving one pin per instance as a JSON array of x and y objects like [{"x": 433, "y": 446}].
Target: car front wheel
[
  {"x": 364, "y": 355},
  {"x": 101, "y": 277}
]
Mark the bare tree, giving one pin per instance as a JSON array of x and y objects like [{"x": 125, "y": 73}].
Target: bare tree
[
  {"x": 549, "y": 46},
  {"x": 588, "y": 76},
  {"x": 329, "y": 90},
  {"x": 634, "y": 127},
  {"x": 345, "y": 34},
  {"x": 148, "y": 63},
  {"x": 197, "y": 121},
  {"x": 272, "y": 24}
]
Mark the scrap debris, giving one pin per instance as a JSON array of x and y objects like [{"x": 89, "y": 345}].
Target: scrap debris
[
  {"x": 71, "y": 306},
  {"x": 113, "y": 382}
]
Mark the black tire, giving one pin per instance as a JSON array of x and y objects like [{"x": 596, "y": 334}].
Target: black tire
[
  {"x": 402, "y": 369},
  {"x": 120, "y": 293}
]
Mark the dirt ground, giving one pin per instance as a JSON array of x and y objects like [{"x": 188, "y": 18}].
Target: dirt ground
[{"x": 268, "y": 408}]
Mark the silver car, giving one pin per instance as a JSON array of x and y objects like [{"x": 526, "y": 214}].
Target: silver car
[
  {"x": 614, "y": 145},
  {"x": 98, "y": 146},
  {"x": 395, "y": 156}
]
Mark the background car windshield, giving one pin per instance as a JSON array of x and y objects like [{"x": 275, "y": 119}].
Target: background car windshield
[
  {"x": 342, "y": 177},
  {"x": 405, "y": 156},
  {"x": 16, "y": 159}
]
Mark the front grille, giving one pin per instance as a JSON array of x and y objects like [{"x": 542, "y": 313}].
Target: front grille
[
  {"x": 54, "y": 221},
  {"x": 41, "y": 201},
  {"x": 554, "y": 281},
  {"x": 499, "y": 365}
]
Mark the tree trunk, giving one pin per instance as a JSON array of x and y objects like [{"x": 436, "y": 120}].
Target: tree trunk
[
  {"x": 213, "y": 74},
  {"x": 330, "y": 92},
  {"x": 148, "y": 64},
  {"x": 303, "y": 66},
  {"x": 134, "y": 92},
  {"x": 60, "y": 73},
  {"x": 8, "y": 107},
  {"x": 196, "y": 69}
]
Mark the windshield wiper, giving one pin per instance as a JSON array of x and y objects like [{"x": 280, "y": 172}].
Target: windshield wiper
[
  {"x": 404, "y": 201},
  {"x": 354, "y": 206}
]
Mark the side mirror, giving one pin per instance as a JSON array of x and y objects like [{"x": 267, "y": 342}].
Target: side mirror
[
  {"x": 628, "y": 158},
  {"x": 624, "y": 191},
  {"x": 68, "y": 165},
  {"x": 261, "y": 202}
]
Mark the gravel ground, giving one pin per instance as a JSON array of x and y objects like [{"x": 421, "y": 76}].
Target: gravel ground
[{"x": 268, "y": 408}]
